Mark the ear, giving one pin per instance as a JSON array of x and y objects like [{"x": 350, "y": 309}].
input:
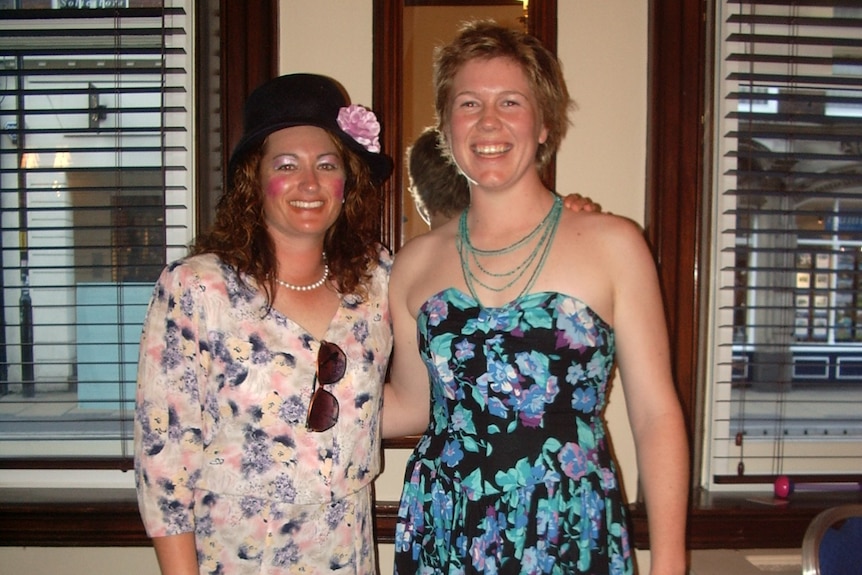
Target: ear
[{"x": 543, "y": 135}]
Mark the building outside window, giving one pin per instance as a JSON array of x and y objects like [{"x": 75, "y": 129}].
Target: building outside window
[{"x": 95, "y": 197}]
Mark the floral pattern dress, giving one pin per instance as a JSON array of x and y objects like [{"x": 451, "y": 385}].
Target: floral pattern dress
[
  {"x": 513, "y": 474},
  {"x": 221, "y": 447}
]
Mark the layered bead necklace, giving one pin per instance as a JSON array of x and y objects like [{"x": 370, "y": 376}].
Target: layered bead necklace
[
  {"x": 470, "y": 255},
  {"x": 308, "y": 287}
]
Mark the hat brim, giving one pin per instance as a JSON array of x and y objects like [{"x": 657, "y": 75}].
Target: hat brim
[{"x": 380, "y": 165}]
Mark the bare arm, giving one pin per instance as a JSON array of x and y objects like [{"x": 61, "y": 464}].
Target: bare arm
[
  {"x": 177, "y": 554},
  {"x": 406, "y": 398},
  {"x": 655, "y": 414}
]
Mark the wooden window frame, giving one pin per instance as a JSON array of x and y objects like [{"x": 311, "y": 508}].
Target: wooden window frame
[{"x": 109, "y": 517}]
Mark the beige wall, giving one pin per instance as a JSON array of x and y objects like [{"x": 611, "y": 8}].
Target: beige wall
[{"x": 603, "y": 47}]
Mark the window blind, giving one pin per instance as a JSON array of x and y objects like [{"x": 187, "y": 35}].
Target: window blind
[
  {"x": 786, "y": 370},
  {"x": 94, "y": 200}
]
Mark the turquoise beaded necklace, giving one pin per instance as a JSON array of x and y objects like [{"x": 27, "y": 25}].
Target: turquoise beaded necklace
[{"x": 469, "y": 254}]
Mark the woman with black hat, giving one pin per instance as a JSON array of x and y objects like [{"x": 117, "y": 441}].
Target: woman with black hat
[{"x": 264, "y": 352}]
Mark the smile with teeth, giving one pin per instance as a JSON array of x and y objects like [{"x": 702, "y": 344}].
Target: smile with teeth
[
  {"x": 306, "y": 205},
  {"x": 490, "y": 150}
]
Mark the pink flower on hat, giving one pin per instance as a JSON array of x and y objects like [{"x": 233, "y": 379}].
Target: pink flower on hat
[{"x": 362, "y": 125}]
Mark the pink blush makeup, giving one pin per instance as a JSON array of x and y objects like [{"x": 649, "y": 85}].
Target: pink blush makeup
[
  {"x": 275, "y": 187},
  {"x": 338, "y": 193}
]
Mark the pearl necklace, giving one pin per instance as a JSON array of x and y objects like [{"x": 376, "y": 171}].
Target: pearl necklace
[{"x": 308, "y": 287}]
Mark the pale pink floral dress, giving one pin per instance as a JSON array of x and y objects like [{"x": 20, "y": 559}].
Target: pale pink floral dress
[{"x": 221, "y": 447}]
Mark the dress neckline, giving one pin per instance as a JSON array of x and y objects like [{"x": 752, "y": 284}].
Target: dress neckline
[{"x": 511, "y": 303}]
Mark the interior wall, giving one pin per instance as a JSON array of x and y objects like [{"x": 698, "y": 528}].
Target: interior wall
[
  {"x": 331, "y": 37},
  {"x": 603, "y": 50}
]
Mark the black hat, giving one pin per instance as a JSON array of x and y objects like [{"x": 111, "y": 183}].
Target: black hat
[{"x": 311, "y": 100}]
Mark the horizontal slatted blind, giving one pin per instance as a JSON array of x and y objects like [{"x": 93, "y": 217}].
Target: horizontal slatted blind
[
  {"x": 787, "y": 373},
  {"x": 94, "y": 199}
]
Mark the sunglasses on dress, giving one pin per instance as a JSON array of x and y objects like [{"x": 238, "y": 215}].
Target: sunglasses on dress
[{"x": 331, "y": 365}]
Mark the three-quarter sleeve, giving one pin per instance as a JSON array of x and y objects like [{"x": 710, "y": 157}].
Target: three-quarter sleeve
[{"x": 168, "y": 422}]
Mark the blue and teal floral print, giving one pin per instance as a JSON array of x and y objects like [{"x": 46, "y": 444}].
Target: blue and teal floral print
[{"x": 514, "y": 473}]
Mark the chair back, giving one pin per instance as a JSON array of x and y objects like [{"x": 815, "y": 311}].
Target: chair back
[{"x": 832, "y": 544}]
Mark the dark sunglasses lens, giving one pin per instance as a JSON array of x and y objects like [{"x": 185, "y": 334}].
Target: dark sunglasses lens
[
  {"x": 323, "y": 412},
  {"x": 331, "y": 363}
]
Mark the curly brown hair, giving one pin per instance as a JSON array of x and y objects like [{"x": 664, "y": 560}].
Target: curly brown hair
[
  {"x": 239, "y": 236},
  {"x": 485, "y": 39}
]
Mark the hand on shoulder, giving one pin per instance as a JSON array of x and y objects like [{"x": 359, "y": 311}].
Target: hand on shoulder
[{"x": 578, "y": 203}]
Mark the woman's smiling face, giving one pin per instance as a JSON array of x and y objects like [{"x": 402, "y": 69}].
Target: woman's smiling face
[
  {"x": 494, "y": 123},
  {"x": 302, "y": 175}
]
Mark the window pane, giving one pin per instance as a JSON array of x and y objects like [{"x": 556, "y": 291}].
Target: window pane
[
  {"x": 787, "y": 366},
  {"x": 94, "y": 199}
]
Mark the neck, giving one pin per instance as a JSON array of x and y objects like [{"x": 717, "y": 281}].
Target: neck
[
  {"x": 298, "y": 252},
  {"x": 490, "y": 215},
  {"x": 299, "y": 263}
]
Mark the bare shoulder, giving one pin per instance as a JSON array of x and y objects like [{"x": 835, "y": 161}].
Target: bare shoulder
[
  {"x": 606, "y": 259},
  {"x": 615, "y": 244},
  {"x": 602, "y": 229},
  {"x": 416, "y": 249},
  {"x": 419, "y": 256}
]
